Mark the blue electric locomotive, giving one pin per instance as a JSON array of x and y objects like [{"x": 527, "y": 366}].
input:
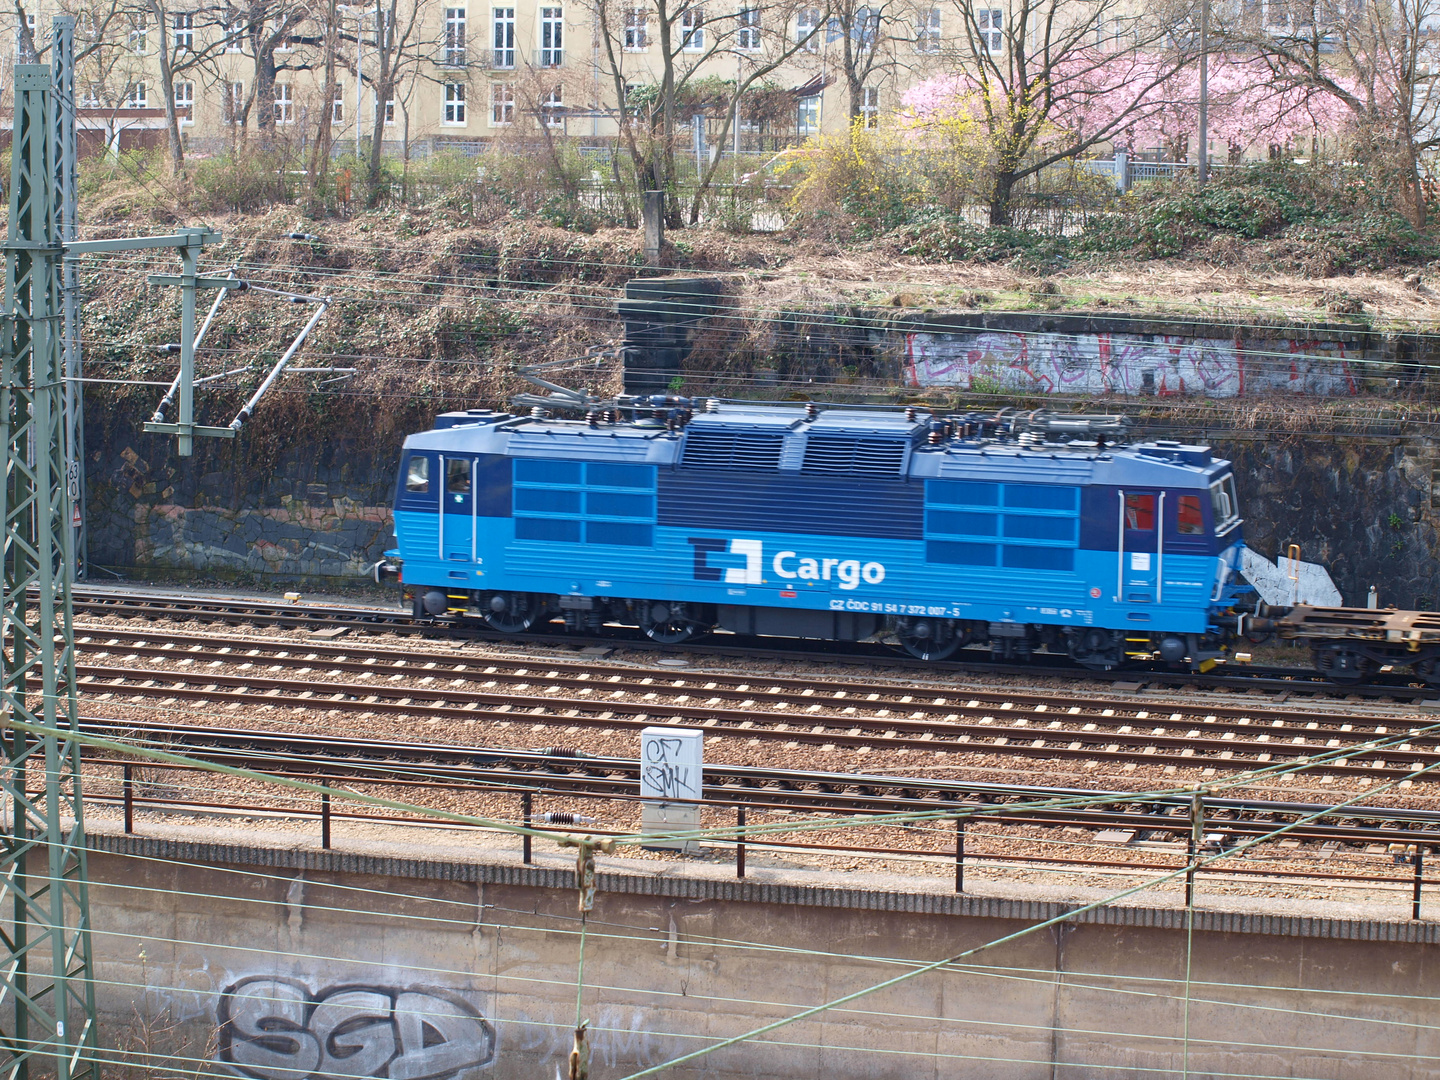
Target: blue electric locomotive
[{"x": 1023, "y": 531}]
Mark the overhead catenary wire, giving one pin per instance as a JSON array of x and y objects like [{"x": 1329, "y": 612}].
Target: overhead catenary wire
[
  {"x": 1196, "y": 861},
  {"x": 466, "y": 922},
  {"x": 650, "y": 991},
  {"x": 744, "y": 318}
]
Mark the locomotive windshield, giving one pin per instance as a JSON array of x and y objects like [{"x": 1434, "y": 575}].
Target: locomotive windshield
[{"x": 1224, "y": 504}]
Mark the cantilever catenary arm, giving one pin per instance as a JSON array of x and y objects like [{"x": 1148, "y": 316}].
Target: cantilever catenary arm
[
  {"x": 248, "y": 408},
  {"x": 169, "y": 397}
]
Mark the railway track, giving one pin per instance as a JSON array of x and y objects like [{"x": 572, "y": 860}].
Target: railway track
[
  {"x": 365, "y": 678},
  {"x": 541, "y": 771},
  {"x": 234, "y": 611}
]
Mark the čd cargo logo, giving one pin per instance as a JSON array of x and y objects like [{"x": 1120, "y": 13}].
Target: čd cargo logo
[{"x": 742, "y": 562}]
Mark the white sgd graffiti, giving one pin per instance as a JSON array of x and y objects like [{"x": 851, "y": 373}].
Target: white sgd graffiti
[{"x": 277, "y": 1029}]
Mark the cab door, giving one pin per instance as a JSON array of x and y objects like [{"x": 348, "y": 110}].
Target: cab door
[
  {"x": 457, "y": 519},
  {"x": 1139, "y": 554}
]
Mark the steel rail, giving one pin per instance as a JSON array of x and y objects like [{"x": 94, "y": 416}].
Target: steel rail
[
  {"x": 889, "y": 732},
  {"x": 240, "y": 611},
  {"x": 929, "y": 703},
  {"x": 465, "y": 768}
]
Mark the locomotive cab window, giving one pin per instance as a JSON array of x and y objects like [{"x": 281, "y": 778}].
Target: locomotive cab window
[
  {"x": 417, "y": 474},
  {"x": 1140, "y": 512},
  {"x": 457, "y": 476},
  {"x": 1224, "y": 505},
  {"x": 1189, "y": 520}
]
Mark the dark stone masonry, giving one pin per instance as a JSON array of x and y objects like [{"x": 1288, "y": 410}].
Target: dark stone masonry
[{"x": 1363, "y": 506}]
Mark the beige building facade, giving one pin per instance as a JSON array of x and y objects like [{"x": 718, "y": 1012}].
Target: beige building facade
[{"x": 470, "y": 73}]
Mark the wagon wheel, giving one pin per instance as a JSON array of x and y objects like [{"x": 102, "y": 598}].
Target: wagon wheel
[
  {"x": 1344, "y": 665},
  {"x": 1429, "y": 670}
]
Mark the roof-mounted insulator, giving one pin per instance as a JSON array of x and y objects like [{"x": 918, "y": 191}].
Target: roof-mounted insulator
[
  {"x": 593, "y": 418},
  {"x": 911, "y": 413},
  {"x": 537, "y": 413},
  {"x": 811, "y": 412},
  {"x": 713, "y": 405}
]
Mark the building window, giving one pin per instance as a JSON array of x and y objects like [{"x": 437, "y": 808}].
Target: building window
[
  {"x": 748, "y": 37},
  {"x": 927, "y": 33},
  {"x": 185, "y": 99},
  {"x": 807, "y": 119},
  {"x": 636, "y": 36},
  {"x": 140, "y": 34},
  {"x": 337, "y": 107},
  {"x": 284, "y": 104},
  {"x": 991, "y": 22},
  {"x": 138, "y": 97},
  {"x": 552, "y": 109},
  {"x": 866, "y": 30},
  {"x": 390, "y": 112},
  {"x": 870, "y": 106},
  {"x": 235, "y": 36},
  {"x": 692, "y": 29},
  {"x": 807, "y": 28},
  {"x": 454, "y": 37},
  {"x": 454, "y": 103},
  {"x": 504, "y": 37},
  {"x": 185, "y": 31},
  {"x": 502, "y": 104},
  {"x": 89, "y": 98},
  {"x": 284, "y": 42},
  {"x": 234, "y": 107},
  {"x": 552, "y": 37}
]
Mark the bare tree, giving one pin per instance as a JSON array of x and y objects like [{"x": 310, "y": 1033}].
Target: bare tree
[
  {"x": 674, "y": 50},
  {"x": 1043, "y": 92},
  {"x": 400, "y": 49},
  {"x": 866, "y": 32},
  {"x": 187, "y": 43},
  {"x": 1380, "y": 58},
  {"x": 324, "y": 134}
]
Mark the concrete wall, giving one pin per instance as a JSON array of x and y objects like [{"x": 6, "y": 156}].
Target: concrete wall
[
  {"x": 1128, "y": 364},
  {"x": 336, "y": 964}
]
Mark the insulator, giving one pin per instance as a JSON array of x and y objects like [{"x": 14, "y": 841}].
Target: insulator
[
  {"x": 811, "y": 412},
  {"x": 713, "y": 405},
  {"x": 936, "y": 438},
  {"x": 561, "y": 817},
  {"x": 593, "y": 418},
  {"x": 537, "y": 413},
  {"x": 561, "y": 751}
]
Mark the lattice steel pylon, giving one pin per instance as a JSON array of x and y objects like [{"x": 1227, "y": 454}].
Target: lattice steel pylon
[{"x": 47, "y": 1001}]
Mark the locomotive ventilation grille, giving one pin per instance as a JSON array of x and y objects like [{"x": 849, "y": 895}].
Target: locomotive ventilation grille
[
  {"x": 733, "y": 450},
  {"x": 855, "y": 457}
]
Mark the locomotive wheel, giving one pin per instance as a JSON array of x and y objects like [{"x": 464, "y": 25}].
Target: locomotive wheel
[
  {"x": 669, "y": 624},
  {"x": 1096, "y": 649},
  {"x": 931, "y": 639},
  {"x": 512, "y": 613}
]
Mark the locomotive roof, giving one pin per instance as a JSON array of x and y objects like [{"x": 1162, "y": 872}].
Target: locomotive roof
[{"x": 1161, "y": 463}]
